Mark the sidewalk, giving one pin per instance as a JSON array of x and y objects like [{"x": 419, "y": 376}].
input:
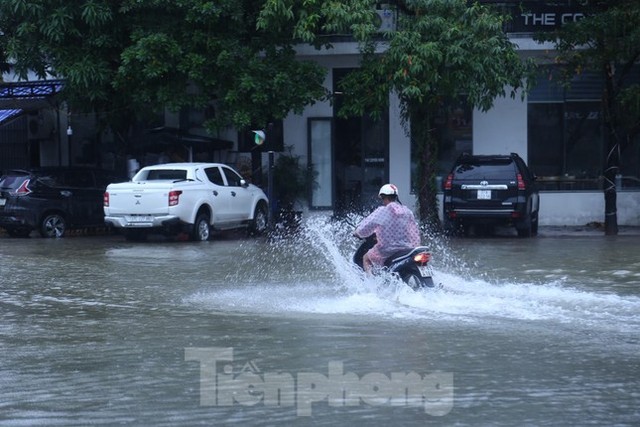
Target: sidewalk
[{"x": 592, "y": 229}]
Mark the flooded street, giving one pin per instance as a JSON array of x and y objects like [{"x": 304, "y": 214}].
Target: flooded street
[{"x": 237, "y": 331}]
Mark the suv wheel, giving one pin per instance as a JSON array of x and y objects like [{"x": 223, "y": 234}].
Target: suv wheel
[
  {"x": 53, "y": 225},
  {"x": 525, "y": 229}
]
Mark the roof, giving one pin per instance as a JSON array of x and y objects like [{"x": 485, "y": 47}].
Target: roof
[
  {"x": 17, "y": 97},
  {"x": 185, "y": 165}
]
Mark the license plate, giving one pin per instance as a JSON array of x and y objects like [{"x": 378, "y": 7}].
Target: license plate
[
  {"x": 425, "y": 271},
  {"x": 3, "y": 202},
  {"x": 139, "y": 218},
  {"x": 484, "y": 194}
]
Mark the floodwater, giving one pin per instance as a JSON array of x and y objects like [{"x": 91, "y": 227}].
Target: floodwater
[{"x": 238, "y": 331}]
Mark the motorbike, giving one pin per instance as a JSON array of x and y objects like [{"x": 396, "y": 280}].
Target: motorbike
[{"x": 410, "y": 265}]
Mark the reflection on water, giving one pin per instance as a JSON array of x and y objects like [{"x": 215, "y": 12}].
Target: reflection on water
[{"x": 536, "y": 331}]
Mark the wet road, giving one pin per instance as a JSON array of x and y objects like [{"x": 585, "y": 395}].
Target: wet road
[{"x": 238, "y": 331}]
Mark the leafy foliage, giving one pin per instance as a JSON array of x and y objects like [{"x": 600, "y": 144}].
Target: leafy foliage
[
  {"x": 134, "y": 56},
  {"x": 292, "y": 180},
  {"x": 443, "y": 49}
]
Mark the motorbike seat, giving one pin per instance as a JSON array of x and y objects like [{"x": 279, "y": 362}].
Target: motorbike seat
[{"x": 397, "y": 256}]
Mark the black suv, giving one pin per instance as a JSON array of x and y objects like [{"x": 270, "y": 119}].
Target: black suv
[
  {"x": 52, "y": 200},
  {"x": 489, "y": 190}
]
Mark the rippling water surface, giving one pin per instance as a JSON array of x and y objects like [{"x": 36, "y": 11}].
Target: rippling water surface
[{"x": 96, "y": 330}]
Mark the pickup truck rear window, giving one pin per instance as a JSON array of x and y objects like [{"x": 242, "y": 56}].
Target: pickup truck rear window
[{"x": 166, "y": 174}]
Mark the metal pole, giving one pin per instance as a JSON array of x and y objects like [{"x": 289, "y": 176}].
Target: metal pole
[{"x": 270, "y": 191}]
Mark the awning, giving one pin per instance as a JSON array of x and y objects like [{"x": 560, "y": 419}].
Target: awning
[
  {"x": 17, "y": 97},
  {"x": 6, "y": 115},
  {"x": 28, "y": 95}
]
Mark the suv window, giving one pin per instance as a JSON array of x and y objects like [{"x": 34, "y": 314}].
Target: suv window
[
  {"x": 491, "y": 169},
  {"x": 12, "y": 182}
]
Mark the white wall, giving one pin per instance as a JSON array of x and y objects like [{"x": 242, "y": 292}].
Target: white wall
[
  {"x": 560, "y": 208},
  {"x": 399, "y": 154},
  {"x": 503, "y": 129}
]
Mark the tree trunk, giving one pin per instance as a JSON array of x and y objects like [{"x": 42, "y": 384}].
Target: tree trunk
[
  {"x": 612, "y": 165},
  {"x": 427, "y": 165}
]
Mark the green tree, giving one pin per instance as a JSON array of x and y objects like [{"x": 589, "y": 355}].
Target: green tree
[
  {"x": 130, "y": 57},
  {"x": 126, "y": 57},
  {"x": 607, "y": 40},
  {"x": 442, "y": 50}
]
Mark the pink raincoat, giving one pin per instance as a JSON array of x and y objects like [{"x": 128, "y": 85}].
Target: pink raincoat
[{"x": 395, "y": 228}]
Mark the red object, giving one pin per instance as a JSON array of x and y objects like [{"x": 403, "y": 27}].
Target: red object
[
  {"x": 422, "y": 258},
  {"x": 23, "y": 190},
  {"x": 174, "y": 197}
]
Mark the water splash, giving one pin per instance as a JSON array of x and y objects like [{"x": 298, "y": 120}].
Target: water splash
[{"x": 329, "y": 284}]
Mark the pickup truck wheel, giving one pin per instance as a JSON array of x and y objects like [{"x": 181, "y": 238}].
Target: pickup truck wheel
[
  {"x": 53, "y": 225},
  {"x": 259, "y": 222},
  {"x": 201, "y": 228}
]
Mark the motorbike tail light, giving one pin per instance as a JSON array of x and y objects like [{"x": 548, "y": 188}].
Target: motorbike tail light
[
  {"x": 24, "y": 189},
  {"x": 174, "y": 197},
  {"x": 521, "y": 184},
  {"x": 448, "y": 183},
  {"x": 105, "y": 199},
  {"x": 422, "y": 258}
]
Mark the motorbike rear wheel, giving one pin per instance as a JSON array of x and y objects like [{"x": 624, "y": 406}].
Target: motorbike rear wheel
[{"x": 416, "y": 282}]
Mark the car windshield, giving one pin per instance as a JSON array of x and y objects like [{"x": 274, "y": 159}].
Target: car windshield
[
  {"x": 497, "y": 169},
  {"x": 166, "y": 174},
  {"x": 12, "y": 182}
]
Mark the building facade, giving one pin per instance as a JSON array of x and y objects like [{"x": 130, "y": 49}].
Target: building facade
[{"x": 556, "y": 129}]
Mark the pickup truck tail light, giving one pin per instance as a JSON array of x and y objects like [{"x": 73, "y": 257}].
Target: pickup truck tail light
[
  {"x": 174, "y": 197},
  {"x": 105, "y": 199}
]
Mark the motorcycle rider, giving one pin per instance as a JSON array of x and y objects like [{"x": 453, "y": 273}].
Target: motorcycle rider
[{"x": 394, "y": 225}]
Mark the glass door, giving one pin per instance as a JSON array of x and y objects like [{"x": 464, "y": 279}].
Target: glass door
[
  {"x": 374, "y": 159},
  {"x": 320, "y": 165}
]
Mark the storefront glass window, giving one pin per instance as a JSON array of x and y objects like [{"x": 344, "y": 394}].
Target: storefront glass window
[
  {"x": 565, "y": 145},
  {"x": 566, "y": 140}
]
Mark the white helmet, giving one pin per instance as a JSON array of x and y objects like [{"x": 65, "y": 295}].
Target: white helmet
[{"x": 388, "y": 190}]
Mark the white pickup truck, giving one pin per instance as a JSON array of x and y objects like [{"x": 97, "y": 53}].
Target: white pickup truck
[{"x": 185, "y": 197}]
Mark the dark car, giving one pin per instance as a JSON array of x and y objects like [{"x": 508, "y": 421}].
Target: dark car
[
  {"x": 51, "y": 200},
  {"x": 489, "y": 190}
]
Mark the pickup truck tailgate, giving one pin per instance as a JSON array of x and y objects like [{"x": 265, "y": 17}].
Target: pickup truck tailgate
[{"x": 148, "y": 198}]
